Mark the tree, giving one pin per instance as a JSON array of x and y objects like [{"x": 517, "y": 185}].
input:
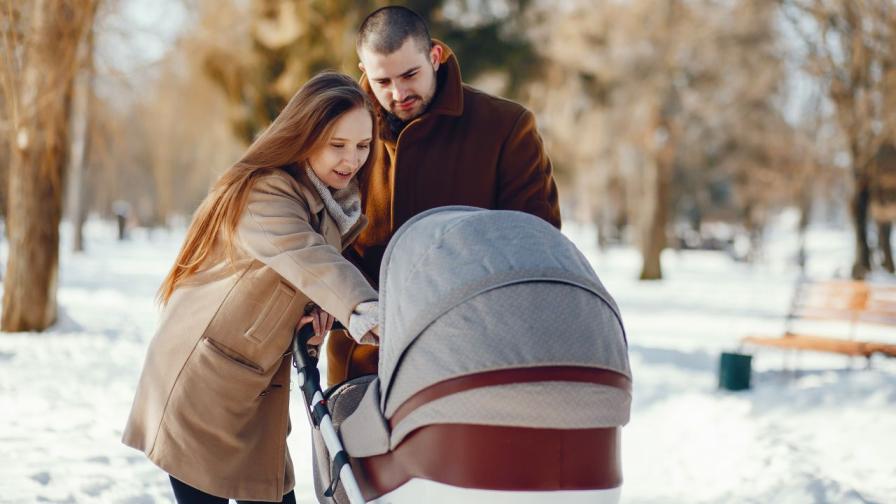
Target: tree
[
  {"x": 260, "y": 64},
  {"x": 849, "y": 48},
  {"x": 883, "y": 200},
  {"x": 672, "y": 98},
  {"x": 38, "y": 70},
  {"x": 467, "y": 27},
  {"x": 81, "y": 140}
]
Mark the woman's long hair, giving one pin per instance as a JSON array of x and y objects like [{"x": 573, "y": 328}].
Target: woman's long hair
[{"x": 303, "y": 126}]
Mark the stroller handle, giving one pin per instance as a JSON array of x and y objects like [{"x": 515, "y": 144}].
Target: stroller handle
[
  {"x": 305, "y": 355},
  {"x": 305, "y": 358},
  {"x": 300, "y": 348}
]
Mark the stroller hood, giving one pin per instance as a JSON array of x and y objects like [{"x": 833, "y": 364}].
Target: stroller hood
[
  {"x": 503, "y": 369},
  {"x": 449, "y": 259}
]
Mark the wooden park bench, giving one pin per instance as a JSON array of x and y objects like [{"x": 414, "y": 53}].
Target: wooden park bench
[{"x": 849, "y": 301}]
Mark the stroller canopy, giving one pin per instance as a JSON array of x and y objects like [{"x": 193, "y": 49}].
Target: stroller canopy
[
  {"x": 503, "y": 367},
  {"x": 465, "y": 290}
]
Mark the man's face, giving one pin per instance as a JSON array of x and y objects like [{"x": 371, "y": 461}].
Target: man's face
[{"x": 404, "y": 82}]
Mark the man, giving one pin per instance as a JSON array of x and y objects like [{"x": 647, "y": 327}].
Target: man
[{"x": 443, "y": 143}]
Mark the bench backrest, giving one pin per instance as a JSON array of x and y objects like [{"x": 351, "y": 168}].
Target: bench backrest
[{"x": 847, "y": 300}]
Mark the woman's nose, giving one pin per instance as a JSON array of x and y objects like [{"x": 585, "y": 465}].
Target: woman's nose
[{"x": 352, "y": 159}]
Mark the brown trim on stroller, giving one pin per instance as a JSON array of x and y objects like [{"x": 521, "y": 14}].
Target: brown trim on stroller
[
  {"x": 445, "y": 388},
  {"x": 497, "y": 458}
]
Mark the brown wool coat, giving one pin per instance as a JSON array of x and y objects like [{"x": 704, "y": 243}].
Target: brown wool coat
[
  {"x": 469, "y": 148},
  {"x": 212, "y": 404}
]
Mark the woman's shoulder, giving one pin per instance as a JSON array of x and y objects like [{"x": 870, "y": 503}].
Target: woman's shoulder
[
  {"x": 282, "y": 191},
  {"x": 285, "y": 181},
  {"x": 282, "y": 179}
]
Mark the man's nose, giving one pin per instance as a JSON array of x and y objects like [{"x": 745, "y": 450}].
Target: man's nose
[{"x": 399, "y": 93}]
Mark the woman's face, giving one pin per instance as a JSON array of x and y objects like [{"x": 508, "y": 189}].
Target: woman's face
[{"x": 343, "y": 154}]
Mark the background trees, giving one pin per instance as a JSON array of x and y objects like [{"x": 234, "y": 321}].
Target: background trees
[
  {"x": 675, "y": 104},
  {"x": 667, "y": 120},
  {"x": 849, "y": 48},
  {"x": 42, "y": 40}
]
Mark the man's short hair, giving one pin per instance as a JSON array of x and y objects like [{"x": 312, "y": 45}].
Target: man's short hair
[{"x": 386, "y": 29}]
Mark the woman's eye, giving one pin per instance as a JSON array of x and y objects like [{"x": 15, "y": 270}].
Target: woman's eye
[
  {"x": 337, "y": 146},
  {"x": 364, "y": 147}
]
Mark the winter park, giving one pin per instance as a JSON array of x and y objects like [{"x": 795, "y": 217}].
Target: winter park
[{"x": 447, "y": 251}]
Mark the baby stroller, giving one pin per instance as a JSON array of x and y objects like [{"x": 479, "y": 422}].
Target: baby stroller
[{"x": 503, "y": 373}]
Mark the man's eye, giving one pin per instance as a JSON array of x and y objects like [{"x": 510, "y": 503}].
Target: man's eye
[
  {"x": 383, "y": 82},
  {"x": 410, "y": 76}
]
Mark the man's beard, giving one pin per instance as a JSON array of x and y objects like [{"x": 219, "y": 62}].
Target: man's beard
[
  {"x": 396, "y": 119},
  {"x": 396, "y": 123}
]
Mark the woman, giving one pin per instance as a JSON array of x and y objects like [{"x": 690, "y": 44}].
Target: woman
[{"x": 212, "y": 405}]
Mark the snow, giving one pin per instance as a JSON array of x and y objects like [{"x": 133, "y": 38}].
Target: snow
[{"x": 814, "y": 427}]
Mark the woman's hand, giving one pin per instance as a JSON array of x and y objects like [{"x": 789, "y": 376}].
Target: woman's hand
[{"x": 322, "y": 322}]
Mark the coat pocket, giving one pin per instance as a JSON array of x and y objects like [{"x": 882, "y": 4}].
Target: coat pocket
[
  {"x": 271, "y": 314},
  {"x": 235, "y": 358},
  {"x": 214, "y": 405}
]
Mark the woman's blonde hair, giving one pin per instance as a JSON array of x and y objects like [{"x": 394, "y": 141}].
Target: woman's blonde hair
[{"x": 302, "y": 127}]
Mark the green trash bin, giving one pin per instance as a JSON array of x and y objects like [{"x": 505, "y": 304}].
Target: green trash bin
[{"x": 734, "y": 371}]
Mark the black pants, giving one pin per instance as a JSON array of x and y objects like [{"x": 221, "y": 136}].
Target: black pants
[{"x": 185, "y": 494}]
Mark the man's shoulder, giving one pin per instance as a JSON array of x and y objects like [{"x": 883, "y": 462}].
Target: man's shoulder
[{"x": 479, "y": 102}]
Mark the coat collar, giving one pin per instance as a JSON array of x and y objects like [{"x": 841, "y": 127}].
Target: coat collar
[
  {"x": 306, "y": 188},
  {"x": 316, "y": 204},
  {"x": 449, "y": 98}
]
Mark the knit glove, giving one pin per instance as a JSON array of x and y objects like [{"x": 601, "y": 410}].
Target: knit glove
[{"x": 363, "y": 320}]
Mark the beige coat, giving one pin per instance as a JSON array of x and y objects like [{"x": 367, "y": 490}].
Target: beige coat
[{"x": 212, "y": 404}]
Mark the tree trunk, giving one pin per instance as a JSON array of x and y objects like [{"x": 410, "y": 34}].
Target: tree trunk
[
  {"x": 39, "y": 156},
  {"x": 655, "y": 237},
  {"x": 804, "y": 196},
  {"x": 859, "y": 209},
  {"x": 77, "y": 209},
  {"x": 602, "y": 222},
  {"x": 663, "y": 147},
  {"x": 883, "y": 242},
  {"x": 4, "y": 179}
]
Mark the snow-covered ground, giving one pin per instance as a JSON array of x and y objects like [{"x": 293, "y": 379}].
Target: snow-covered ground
[{"x": 823, "y": 434}]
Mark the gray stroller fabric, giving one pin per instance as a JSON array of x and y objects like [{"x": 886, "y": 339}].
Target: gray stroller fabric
[
  {"x": 520, "y": 325},
  {"x": 342, "y": 401},
  {"x": 453, "y": 256},
  {"x": 516, "y": 326},
  {"x": 549, "y": 405},
  {"x": 465, "y": 291}
]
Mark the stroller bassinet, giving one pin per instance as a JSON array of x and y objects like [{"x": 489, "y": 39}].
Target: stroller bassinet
[{"x": 503, "y": 371}]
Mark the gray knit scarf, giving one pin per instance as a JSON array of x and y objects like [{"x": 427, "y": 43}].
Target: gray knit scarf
[{"x": 344, "y": 205}]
